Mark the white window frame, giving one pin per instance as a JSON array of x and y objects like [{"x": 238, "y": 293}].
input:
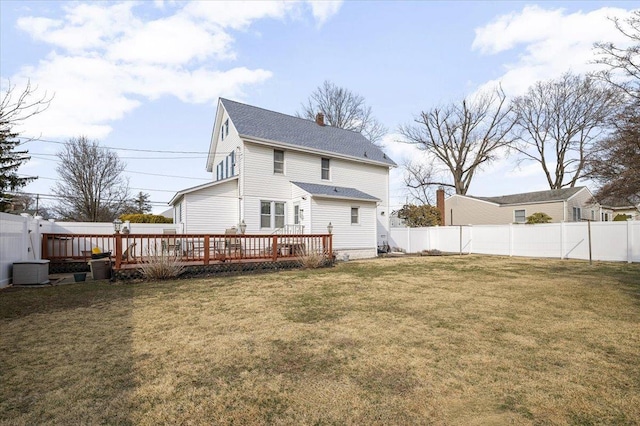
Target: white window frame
[
  {"x": 524, "y": 216},
  {"x": 278, "y": 162},
  {"x": 265, "y": 215},
  {"x": 357, "y": 216},
  {"x": 296, "y": 214},
  {"x": 273, "y": 216},
  {"x": 325, "y": 169}
]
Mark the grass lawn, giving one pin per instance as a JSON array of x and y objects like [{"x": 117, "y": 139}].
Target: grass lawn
[{"x": 438, "y": 340}]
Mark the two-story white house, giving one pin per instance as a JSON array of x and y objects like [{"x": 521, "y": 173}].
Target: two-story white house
[{"x": 283, "y": 174}]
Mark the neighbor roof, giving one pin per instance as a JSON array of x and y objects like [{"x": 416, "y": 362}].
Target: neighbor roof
[
  {"x": 331, "y": 191},
  {"x": 534, "y": 197},
  {"x": 260, "y": 123}
]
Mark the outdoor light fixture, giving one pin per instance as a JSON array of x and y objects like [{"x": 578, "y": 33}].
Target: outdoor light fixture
[
  {"x": 117, "y": 224},
  {"x": 330, "y": 227},
  {"x": 243, "y": 227}
]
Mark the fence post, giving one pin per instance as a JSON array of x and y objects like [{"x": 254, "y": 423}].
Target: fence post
[
  {"x": 510, "y": 239},
  {"x": 562, "y": 242},
  {"x": 206, "y": 249},
  {"x": 118, "y": 248},
  {"x": 408, "y": 239},
  {"x": 274, "y": 248},
  {"x": 629, "y": 242}
]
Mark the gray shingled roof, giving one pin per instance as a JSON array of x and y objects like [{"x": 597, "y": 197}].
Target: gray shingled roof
[
  {"x": 260, "y": 123},
  {"x": 534, "y": 197},
  {"x": 334, "y": 191}
]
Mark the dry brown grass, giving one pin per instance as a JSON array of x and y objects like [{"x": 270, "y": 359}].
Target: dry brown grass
[{"x": 437, "y": 340}]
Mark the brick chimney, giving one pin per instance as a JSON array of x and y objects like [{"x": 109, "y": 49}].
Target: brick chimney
[
  {"x": 440, "y": 204},
  {"x": 320, "y": 119}
]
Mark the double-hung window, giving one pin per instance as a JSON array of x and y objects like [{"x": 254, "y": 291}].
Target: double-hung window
[
  {"x": 577, "y": 214},
  {"x": 325, "y": 169},
  {"x": 278, "y": 161},
  {"x": 272, "y": 214},
  {"x": 355, "y": 215},
  {"x": 520, "y": 216}
]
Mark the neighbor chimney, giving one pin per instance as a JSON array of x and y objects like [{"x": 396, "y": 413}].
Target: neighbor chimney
[
  {"x": 440, "y": 204},
  {"x": 320, "y": 119}
]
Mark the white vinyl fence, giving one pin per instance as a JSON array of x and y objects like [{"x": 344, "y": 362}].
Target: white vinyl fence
[
  {"x": 608, "y": 241},
  {"x": 20, "y": 237}
]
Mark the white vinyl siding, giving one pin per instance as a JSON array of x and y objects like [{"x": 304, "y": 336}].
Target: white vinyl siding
[
  {"x": 345, "y": 235},
  {"x": 262, "y": 184},
  {"x": 211, "y": 210}
]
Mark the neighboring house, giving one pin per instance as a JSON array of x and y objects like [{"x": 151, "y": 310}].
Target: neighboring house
[
  {"x": 562, "y": 205},
  {"x": 396, "y": 222},
  {"x": 283, "y": 174},
  {"x": 613, "y": 208}
]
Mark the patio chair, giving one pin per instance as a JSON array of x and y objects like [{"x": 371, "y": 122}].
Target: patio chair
[
  {"x": 170, "y": 244},
  {"x": 232, "y": 242}
]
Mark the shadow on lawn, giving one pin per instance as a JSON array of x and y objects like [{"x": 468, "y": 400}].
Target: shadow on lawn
[{"x": 73, "y": 365}]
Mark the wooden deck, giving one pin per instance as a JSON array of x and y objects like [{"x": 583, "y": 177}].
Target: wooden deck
[{"x": 128, "y": 251}]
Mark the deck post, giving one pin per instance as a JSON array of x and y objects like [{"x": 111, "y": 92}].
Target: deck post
[
  {"x": 274, "y": 248},
  {"x": 206, "y": 249},
  {"x": 118, "y": 245}
]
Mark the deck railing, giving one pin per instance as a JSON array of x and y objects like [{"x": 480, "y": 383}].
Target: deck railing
[{"x": 194, "y": 248}]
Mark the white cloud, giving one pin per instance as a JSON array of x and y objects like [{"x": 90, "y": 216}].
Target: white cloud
[
  {"x": 324, "y": 9},
  {"x": 549, "y": 43},
  {"x": 109, "y": 58}
]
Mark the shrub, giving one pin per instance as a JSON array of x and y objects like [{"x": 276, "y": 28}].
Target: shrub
[
  {"x": 311, "y": 260},
  {"x": 160, "y": 265},
  {"x": 538, "y": 218},
  {"x": 621, "y": 218},
  {"x": 145, "y": 218}
]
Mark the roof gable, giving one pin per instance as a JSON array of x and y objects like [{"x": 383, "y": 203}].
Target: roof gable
[
  {"x": 552, "y": 195},
  {"x": 259, "y": 123}
]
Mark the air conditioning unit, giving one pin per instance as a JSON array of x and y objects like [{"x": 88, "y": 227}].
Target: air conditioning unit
[{"x": 31, "y": 272}]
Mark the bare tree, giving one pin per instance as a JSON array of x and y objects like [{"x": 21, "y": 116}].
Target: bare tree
[
  {"x": 14, "y": 109},
  {"x": 615, "y": 165},
  {"x": 344, "y": 109},
  {"x": 623, "y": 64},
  {"x": 558, "y": 121},
  {"x": 91, "y": 187},
  {"x": 463, "y": 136},
  {"x": 420, "y": 178}
]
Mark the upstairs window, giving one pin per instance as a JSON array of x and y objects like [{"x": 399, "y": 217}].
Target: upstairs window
[
  {"x": 278, "y": 161},
  {"x": 224, "y": 131},
  {"x": 520, "y": 216},
  {"x": 325, "y": 169}
]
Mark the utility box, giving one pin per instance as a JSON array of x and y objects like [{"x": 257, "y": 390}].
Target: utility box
[{"x": 31, "y": 272}]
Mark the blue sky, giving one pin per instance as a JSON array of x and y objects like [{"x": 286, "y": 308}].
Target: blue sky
[{"x": 146, "y": 75}]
